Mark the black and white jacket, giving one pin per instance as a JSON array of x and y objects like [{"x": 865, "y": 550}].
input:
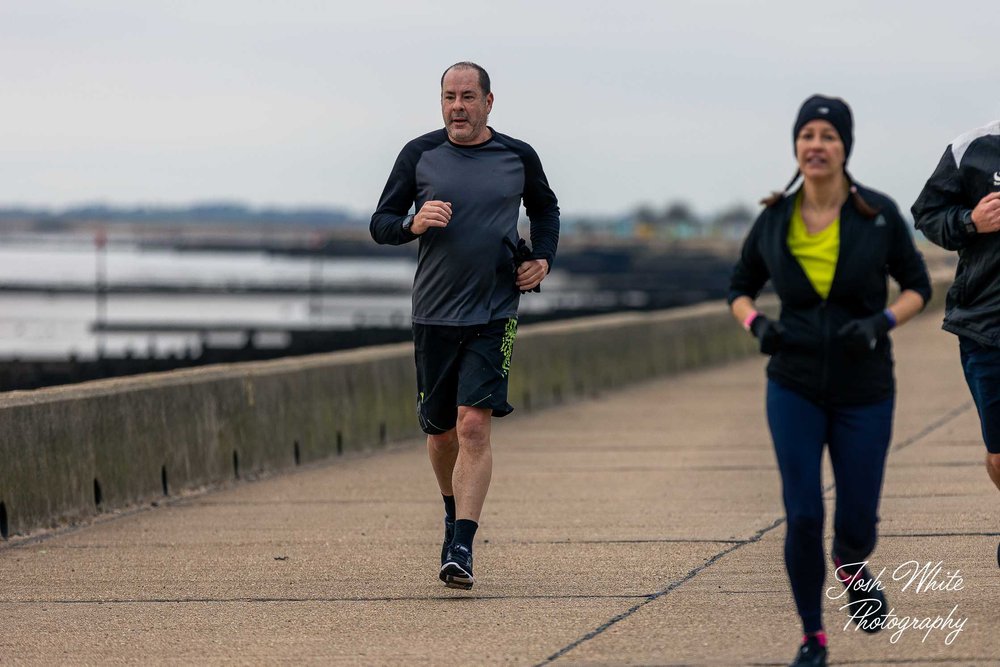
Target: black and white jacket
[
  {"x": 811, "y": 359},
  {"x": 968, "y": 171}
]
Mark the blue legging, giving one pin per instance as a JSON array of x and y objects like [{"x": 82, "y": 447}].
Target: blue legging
[{"x": 858, "y": 437}]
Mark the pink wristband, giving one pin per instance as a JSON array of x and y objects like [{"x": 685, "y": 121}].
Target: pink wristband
[{"x": 749, "y": 319}]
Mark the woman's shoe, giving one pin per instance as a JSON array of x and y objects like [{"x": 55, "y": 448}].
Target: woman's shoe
[{"x": 812, "y": 653}]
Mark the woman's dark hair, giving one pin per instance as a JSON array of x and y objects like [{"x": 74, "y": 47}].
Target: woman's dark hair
[
  {"x": 777, "y": 195},
  {"x": 863, "y": 206}
]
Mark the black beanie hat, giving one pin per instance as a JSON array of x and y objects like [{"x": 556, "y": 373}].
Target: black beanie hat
[{"x": 831, "y": 109}]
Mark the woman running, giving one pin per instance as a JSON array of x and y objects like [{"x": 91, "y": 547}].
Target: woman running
[{"x": 827, "y": 248}]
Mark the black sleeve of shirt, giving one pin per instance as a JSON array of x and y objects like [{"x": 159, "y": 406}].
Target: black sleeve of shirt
[
  {"x": 750, "y": 273},
  {"x": 905, "y": 263},
  {"x": 542, "y": 208},
  {"x": 939, "y": 210},
  {"x": 397, "y": 198},
  {"x": 540, "y": 202}
]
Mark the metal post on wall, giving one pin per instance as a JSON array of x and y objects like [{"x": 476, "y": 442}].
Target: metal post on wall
[
  {"x": 101, "y": 286},
  {"x": 317, "y": 258}
]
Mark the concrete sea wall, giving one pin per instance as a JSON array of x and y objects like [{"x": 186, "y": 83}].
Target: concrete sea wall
[{"x": 67, "y": 453}]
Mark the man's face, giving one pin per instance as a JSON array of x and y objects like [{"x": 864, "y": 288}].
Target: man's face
[{"x": 464, "y": 107}]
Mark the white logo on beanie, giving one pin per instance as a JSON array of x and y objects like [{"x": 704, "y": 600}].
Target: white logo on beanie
[{"x": 823, "y": 110}]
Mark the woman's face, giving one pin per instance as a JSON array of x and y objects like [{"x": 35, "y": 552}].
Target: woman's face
[{"x": 819, "y": 150}]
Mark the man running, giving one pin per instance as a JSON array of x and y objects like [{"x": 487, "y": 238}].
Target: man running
[
  {"x": 959, "y": 209},
  {"x": 466, "y": 183}
]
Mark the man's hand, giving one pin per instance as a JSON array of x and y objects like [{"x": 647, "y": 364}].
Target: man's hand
[
  {"x": 986, "y": 215},
  {"x": 530, "y": 273},
  {"x": 433, "y": 213}
]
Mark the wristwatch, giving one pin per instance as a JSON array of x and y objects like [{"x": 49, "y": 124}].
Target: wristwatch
[
  {"x": 970, "y": 226},
  {"x": 407, "y": 223}
]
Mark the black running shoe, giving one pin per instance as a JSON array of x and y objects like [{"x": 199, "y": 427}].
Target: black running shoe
[
  {"x": 449, "y": 533},
  {"x": 456, "y": 572},
  {"x": 811, "y": 653},
  {"x": 868, "y": 606}
]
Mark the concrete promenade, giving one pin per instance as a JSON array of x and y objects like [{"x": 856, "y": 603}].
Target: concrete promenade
[{"x": 640, "y": 527}]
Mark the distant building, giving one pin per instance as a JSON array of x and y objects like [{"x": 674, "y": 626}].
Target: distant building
[
  {"x": 676, "y": 222},
  {"x": 733, "y": 223}
]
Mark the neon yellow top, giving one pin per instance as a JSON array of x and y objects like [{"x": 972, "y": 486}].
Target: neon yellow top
[{"x": 816, "y": 253}]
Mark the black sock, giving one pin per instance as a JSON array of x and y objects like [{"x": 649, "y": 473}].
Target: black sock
[
  {"x": 449, "y": 507},
  {"x": 465, "y": 532}
]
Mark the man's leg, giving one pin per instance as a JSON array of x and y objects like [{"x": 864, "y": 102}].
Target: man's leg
[
  {"x": 443, "y": 450},
  {"x": 982, "y": 372},
  {"x": 470, "y": 481},
  {"x": 474, "y": 463},
  {"x": 482, "y": 395},
  {"x": 436, "y": 352},
  {"x": 993, "y": 468}
]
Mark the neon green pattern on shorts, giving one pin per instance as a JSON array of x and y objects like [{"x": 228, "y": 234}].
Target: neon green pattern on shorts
[{"x": 507, "y": 344}]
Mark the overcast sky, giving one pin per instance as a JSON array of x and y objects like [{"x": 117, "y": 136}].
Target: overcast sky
[{"x": 308, "y": 102}]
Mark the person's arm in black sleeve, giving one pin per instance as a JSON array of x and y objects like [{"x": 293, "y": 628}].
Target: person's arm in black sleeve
[
  {"x": 939, "y": 212},
  {"x": 747, "y": 280},
  {"x": 750, "y": 273},
  {"x": 905, "y": 263},
  {"x": 397, "y": 198},
  {"x": 542, "y": 208}
]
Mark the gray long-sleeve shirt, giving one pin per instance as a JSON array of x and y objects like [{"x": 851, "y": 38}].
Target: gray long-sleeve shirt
[{"x": 464, "y": 273}]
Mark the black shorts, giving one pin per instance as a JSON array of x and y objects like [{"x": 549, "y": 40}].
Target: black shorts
[
  {"x": 461, "y": 365},
  {"x": 981, "y": 364}
]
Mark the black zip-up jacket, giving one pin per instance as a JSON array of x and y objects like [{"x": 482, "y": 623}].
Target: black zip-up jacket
[
  {"x": 811, "y": 359},
  {"x": 967, "y": 172}
]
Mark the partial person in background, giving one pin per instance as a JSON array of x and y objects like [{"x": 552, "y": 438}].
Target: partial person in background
[
  {"x": 466, "y": 183},
  {"x": 827, "y": 249},
  {"x": 959, "y": 209}
]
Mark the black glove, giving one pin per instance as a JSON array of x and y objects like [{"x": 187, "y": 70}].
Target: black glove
[
  {"x": 861, "y": 335},
  {"x": 520, "y": 253},
  {"x": 768, "y": 332}
]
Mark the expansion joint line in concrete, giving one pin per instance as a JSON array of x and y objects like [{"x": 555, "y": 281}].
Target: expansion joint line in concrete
[
  {"x": 933, "y": 426},
  {"x": 923, "y": 433},
  {"x": 921, "y": 535},
  {"x": 311, "y": 600},
  {"x": 663, "y": 540},
  {"x": 655, "y": 596}
]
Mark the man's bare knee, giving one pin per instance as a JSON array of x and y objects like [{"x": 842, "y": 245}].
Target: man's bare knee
[
  {"x": 444, "y": 442},
  {"x": 474, "y": 426}
]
